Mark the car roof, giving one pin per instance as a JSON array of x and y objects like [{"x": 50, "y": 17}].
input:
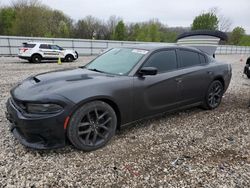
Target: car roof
[
  {"x": 153, "y": 47},
  {"x": 33, "y": 42}
]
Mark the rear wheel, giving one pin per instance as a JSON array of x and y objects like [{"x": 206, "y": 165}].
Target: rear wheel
[
  {"x": 69, "y": 58},
  {"x": 92, "y": 126},
  {"x": 247, "y": 70},
  {"x": 214, "y": 95},
  {"x": 36, "y": 58}
]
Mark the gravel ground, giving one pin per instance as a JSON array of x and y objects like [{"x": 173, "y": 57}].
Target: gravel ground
[{"x": 191, "y": 148}]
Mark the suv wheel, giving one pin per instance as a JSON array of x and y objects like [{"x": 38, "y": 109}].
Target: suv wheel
[
  {"x": 92, "y": 126},
  {"x": 36, "y": 58},
  {"x": 69, "y": 58}
]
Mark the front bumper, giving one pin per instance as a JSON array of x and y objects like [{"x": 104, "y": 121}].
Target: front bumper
[
  {"x": 44, "y": 132},
  {"x": 247, "y": 70}
]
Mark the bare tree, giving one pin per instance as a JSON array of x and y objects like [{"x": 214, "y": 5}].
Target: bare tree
[
  {"x": 111, "y": 24},
  {"x": 17, "y": 4},
  {"x": 224, "y": 23}
]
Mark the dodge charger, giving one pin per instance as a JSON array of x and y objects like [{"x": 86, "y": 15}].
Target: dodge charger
[{"x": 88, "y": 104}]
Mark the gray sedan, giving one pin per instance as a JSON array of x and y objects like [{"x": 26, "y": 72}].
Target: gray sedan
[{"x": 88, "y": 104}]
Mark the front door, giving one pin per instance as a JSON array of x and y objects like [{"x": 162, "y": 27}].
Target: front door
[{"x": 160, "y": 92}]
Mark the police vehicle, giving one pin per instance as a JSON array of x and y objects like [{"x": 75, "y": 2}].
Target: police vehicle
[{"x": 35, "y": 52}]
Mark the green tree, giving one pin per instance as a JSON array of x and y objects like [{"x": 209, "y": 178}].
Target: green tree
[
  {"x": 207, "y": 21},
  {"x": 245, "y": 40},
  {"x": 63, "y": 29},
  {"x": 236, "y": 35},
  {"x": 7, "y": 17},
  {"x": 120, "y": 31}
]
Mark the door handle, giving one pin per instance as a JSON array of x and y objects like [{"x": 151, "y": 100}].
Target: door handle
[
  {"x": 179, "y": 80},
  {"x": 210, "y": 72}
]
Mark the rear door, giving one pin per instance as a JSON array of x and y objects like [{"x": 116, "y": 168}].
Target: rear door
[
  {"x": 48, "y": 51},
  {"x": 158, "y": 93},
  {"x": 196, "y": 76}
]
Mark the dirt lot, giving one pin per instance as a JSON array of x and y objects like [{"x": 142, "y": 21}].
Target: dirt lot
[{"x": 191, "y": 148}]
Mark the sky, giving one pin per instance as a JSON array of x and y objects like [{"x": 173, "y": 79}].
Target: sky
[{"x": 173, "y": 13}]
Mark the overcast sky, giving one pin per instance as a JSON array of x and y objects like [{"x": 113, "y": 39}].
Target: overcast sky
[{"x": 172, "y": 13}]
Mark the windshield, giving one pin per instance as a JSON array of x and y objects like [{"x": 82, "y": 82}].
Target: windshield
[{"x": 118, "y": 61}]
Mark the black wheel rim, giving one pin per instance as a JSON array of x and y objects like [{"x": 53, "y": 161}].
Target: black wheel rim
[
  {"x": 95, "y": 127},
  {"x": 215, "y": 95}
]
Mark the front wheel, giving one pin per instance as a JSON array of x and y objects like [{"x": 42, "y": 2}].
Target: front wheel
[
  {"x": 214, "y": 95},
  {"x": 92, "y": 126},
  {"x": 69, "y": 58}
]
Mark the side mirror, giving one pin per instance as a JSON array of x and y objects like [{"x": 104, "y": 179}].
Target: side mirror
[{"x": 148, "y": 71}]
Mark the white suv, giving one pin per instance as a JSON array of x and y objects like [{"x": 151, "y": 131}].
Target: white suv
[{"x": 37, "y": 51}]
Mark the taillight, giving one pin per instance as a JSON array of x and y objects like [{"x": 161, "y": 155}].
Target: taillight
[{"x": 23, "y": 49}]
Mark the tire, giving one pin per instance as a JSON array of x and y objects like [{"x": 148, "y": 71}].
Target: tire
[
  {"x": 247, "y": 70},
  {"x": 92, "y": 126},
  {"x": 69, "y": 58},
  {"x": 214, "y": 95},
  {"x": 36, "y": 58}
]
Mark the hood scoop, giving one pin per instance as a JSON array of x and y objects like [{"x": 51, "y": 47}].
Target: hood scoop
[
  {"x": 36, "y": 79},
  {"x": 80, "y": 77}
]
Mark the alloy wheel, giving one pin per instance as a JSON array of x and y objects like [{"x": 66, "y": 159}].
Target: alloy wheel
[
  {"x": 94, "y": 127},
  {"x": 215, "y": 94}
]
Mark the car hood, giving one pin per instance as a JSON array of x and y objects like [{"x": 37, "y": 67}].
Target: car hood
[{"x": 56, "y": 82}]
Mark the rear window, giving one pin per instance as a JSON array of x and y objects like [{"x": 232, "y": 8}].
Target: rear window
[{"x": 27, "y": 45}]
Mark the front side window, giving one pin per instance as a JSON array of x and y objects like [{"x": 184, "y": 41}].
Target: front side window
[
  {"x": 189, "y": 58},
  {"x": 164, "y": 61},
  {"x": 119, "y": 61},
  {"x": 55, "y": 47}
]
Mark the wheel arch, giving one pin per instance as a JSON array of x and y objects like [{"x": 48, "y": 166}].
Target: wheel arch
[
  {"x": 221, "y": 79},
  {"x": 248, "y": 61},
  {"x": 36, "y": 54},
  {"x": 105, "y": 99}
]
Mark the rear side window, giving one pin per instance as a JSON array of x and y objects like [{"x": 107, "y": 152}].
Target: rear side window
[
  {"x": 202, "y": 59},
  {"x": 27, "y": 45},
  {"x": 44, "y": 46},
  {"x": 189, "y": 58},
  {"x": 164, "y": 61}
]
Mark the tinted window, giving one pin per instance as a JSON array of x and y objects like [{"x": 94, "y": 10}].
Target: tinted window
[
  {"x": 44, "y": 46},
  {"x": 164, "y": 61},
  {"x": 189, "y": 58},
  {"x": 26, "y": 45},
  {"x": 202, "y": 59},
  {"x": 55, "y": 47}
]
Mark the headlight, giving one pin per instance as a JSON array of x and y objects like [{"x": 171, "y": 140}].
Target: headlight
[{"x": 43, "y": 108}]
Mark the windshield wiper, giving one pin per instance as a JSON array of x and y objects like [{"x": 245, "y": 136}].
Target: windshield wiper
[{"x": 96, "y": 70}]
